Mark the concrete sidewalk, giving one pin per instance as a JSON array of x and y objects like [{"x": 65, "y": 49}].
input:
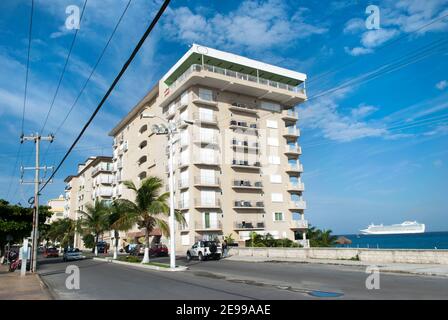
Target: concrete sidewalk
[
  {"x": 15, "y": 287},
  {"x": 440, "y": 270}
]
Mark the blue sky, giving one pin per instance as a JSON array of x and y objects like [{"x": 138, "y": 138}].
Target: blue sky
[{"x": 373, "y": 151}]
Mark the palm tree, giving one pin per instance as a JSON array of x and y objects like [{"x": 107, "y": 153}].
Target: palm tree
[
  {"x": 149, "y": 210},
  {"x": 62, "y": 231},
  {"x": 117, "y": 222},
  {"x": 95, "y": 220}
]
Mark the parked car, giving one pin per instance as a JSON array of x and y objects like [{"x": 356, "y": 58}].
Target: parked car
[
  {"x": 159, "y": 250},
  {"x": 102, "y": 246},
  {"x": 51, "y": 252},
  {"x": 72, "y": 254},
  {"x": 204, "y": 250}
]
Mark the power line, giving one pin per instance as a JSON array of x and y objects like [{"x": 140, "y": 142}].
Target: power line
[
  {"x": 24, "y": 97},
  {"x": 63, "y": 70},
  {"x": 90, "y": 75},
  {"x": 111, "y": 88}
]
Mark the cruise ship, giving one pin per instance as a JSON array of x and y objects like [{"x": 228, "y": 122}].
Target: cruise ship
[{"x": 402, "y": 228}]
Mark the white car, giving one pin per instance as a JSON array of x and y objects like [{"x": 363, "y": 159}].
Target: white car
[
  {"x": 204, "y": 250},
  {"x": 71, "y": 255}
]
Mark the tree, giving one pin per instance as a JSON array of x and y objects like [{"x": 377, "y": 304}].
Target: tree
[
  {"x": 320, "y": 238},
  {"x": 16, "y": 221},
  {"x": 117, "y": 222},
  {"x": 62, "y": 231},
  {"x": 149, "y": 210},
  {"x": 95, "y": 220}
]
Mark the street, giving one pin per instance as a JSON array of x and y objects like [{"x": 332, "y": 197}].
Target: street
[{"x": 231, "y": 280}]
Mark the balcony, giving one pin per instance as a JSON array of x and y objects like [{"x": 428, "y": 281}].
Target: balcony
[
  {"x": 104, "y": 167},
  {"x": 291, "y": 132},
  {"x": 182, "y": 184},
  {"x": 212, "y": 139},
  {"x": 297, "y": 205},
  {"x": 246, "y": 184},
  {"x": 207, "y": 203},
  {"x": 238, "y": 82},
  {"x": 296, "y": 187},
  {"x": 290, "y": 115},
  {"x": 299, "y": 224},
  {"x": 294, "y": 168},
  {"x": 171, "y": 111},
  {"x": 206, "y": 118},
  {"x": 204, "y": 181},
  {"x": 105, "y": 180},
  {"x": 208, "y": 226},
  {"x": 242, "y": 107},
  {"x": 248, "y": 205},
  {"x": 244, "y": 164},
  {"x": 207, "y": 160},
  {"x": 245, "y": 145},
  {"x": 293, "y": 150},
  {"x": 183, "y": 227},
  {"x": 246, "y": 225},
  {"x": 103, "y": 193},
  {"x": 182, "y": 163},
  {"x": 243, "y": 125},
  {"x": 119, "y": 164},
  {"x": 183, "y": 205}
]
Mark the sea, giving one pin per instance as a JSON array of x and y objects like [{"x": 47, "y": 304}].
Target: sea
[{"x": 427, "y": 240}]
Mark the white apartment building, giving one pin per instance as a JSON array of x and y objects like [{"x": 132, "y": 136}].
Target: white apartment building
[
  {"x": 93, "y": 182},
  {"x": 236, "y": 155},
  {"x": 57, "y": 208}
]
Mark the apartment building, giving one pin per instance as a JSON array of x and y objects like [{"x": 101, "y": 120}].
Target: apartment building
[
  {"x": 93, "y": 182},
  {"x": 57, "y": 207},
  {"x": 236, "y": 156}
]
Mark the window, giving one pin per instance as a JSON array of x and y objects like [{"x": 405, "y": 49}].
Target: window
[
  {"x": 142, "y": 175},
  {"x": 278, "y": 216},
  {"x": 205, "y": 94},
  {"x": 277, "y": 197},
  {"x": 272, "y": 141},
  {"x": 184, "y": 98},
  {"x": 272, "y": 124},
  {"x": 142, "y": 160},
  {"x": 143, "y": 129},
  {"x": 276, "y": 178},
  {"x": 143, "y": 144},
  {"x": 270, "y": 106}
]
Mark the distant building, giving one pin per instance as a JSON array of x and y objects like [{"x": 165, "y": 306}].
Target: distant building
[{"x": 56, "y": 208}]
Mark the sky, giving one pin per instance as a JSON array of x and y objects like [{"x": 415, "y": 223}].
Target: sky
[{"x": 374, "y": 132}]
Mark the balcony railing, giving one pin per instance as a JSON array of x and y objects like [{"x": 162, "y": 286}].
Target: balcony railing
[
  {"x": 183, "y": 226},
  {"x": 243, "y": 107},
  {"x": 102, "y": 167},
  {"x": 246, "y": 225},
  {"x": 290, "y": 115},
  {"x": 183, "y": 205},
  {"x": 206, "y": 181},
  {"x": 244, "y": 204},
  {"x": 246, "y": 184},
  {"x": 103, "y": 193},
  {"x": 207, "y": 203},
  {"x": 207, "y": 139},
  {"x": 211, "y": 225},
  {"x": 299, "y": 224},
  {"x": 182, "y": 183},
  {"x": 298, "y": 205},
  {"x": 205, "y": 117},
  {"x": 291, "y": 132},
  {"x": 246, "y": 164},
  {"x": 293, "y": 149},
  {"x": 207, "y": 160},
  {"x": 238, "y": 75},
  {"x": 245, "y": 144},
  {"x": 105, "y": 180},
  {"x": 235, "y": 124},
  {"x": 294, "y": 167},
  {"x": 296, "y": 186}
]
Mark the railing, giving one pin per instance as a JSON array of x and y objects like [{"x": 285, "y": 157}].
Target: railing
[
  {"x": 248, "y": 204},
  {"x": 296, "y": 186},
  {"x": 243, "y": 125},
  {"x": 245, "y": 144},
  {"x": 295, "y": 167},
  {"x": 292, "y": 131},
  {"x": 245, "y": 163},
  {"x": 249, "y": 225},
  {"x": 238, "y": 75},
  {"x": 243, "y": 107},
  {"x": 102, "y": 167},
  {"x": 203, "y": 138},
  {"x": 290, "y": 114},
  {"x": 182, "y": 183},
  {"x": 211, "y": 160},
  {"x": 217, "y": 225},
  {"x": 207, "y": 203},
  {"x": 206, "y": 181},
  {"x": 299, "y": 224},
  {"x": 119, "y": 164},
  {"x": 183, "y": 226},
  {"x": 182, "y": 162},
  {"x": 105, "y": 180},
  {"x": 183, "y": 204},
  {"x": 299, "y": 204},
  {"x": 293, "y": 149},
  {"x": 104, "y": 192},
  {"x": 205, "y": 117},
  {"x": 247, "y": 184}
]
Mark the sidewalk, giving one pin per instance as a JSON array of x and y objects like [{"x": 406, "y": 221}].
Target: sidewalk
[
  {"x": 15, "y": 287},
  {"x": 440, "y": 270}
]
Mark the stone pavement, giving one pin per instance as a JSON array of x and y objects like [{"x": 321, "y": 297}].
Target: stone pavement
[
  {"x": 440, "y": 270},
  {"x": 15, "y": 287}
]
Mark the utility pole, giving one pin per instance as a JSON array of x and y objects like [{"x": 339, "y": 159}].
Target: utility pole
[{"x": 35, "y": 230}]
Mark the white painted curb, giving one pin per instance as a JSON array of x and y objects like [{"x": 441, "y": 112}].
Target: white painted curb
[{"x": 144, "y": 266}]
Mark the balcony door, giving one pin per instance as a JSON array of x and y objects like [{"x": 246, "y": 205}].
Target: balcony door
[
  {"x": 207, "y": 176},
  {"x": 205, "y": 114},
  {"x": 210, "y": 220},
  {"x": 208, "y": 197}
]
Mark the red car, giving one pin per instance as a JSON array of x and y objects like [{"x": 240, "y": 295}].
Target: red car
[
  {"x": 158, "y": 251},
  {"x": 51, "y": 252}
]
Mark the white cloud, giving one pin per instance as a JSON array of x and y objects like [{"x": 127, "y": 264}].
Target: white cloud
[
  {"x": 363, "y": 111},
  {"x": 441, "y": 85},
  {"x": 375, "y": 38},
  {"x": 357, "y": 51},
  {"x": 354, "y": 25},
  {"x": 254, "y": 24}
]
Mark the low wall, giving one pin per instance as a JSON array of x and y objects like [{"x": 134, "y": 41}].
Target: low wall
[{"x": 365, "y": 255}]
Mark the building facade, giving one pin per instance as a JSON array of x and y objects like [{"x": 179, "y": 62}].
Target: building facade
[
  {"x": 93, "y": 182},
  {"x": 57, "y": 208},
  {"x": 236, "y": 159}
]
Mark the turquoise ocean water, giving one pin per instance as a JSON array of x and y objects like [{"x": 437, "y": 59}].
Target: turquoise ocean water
[{"x": 427, "y": 240}]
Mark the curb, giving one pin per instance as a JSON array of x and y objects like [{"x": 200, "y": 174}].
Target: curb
[
  {"x": 45, "y": 288},
  {"x": 143, "y": 266}
]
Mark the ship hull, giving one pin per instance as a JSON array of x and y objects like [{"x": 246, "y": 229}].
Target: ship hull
[{"x": 397, "y": 231}]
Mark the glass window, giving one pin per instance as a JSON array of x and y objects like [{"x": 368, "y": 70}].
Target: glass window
[{"x": 278, "y": 216}]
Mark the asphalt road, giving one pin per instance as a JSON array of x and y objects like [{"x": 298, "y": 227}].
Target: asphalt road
[{"x": 232, "y": 280}]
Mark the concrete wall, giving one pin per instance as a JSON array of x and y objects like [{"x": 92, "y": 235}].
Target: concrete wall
[{"x": 365, "y": 255}]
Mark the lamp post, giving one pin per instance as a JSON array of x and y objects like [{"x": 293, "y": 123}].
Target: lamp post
[{"x": 168, "y": 130}]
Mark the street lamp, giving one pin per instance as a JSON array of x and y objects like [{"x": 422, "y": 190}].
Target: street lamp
[{"x": 169, "y": 130}]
